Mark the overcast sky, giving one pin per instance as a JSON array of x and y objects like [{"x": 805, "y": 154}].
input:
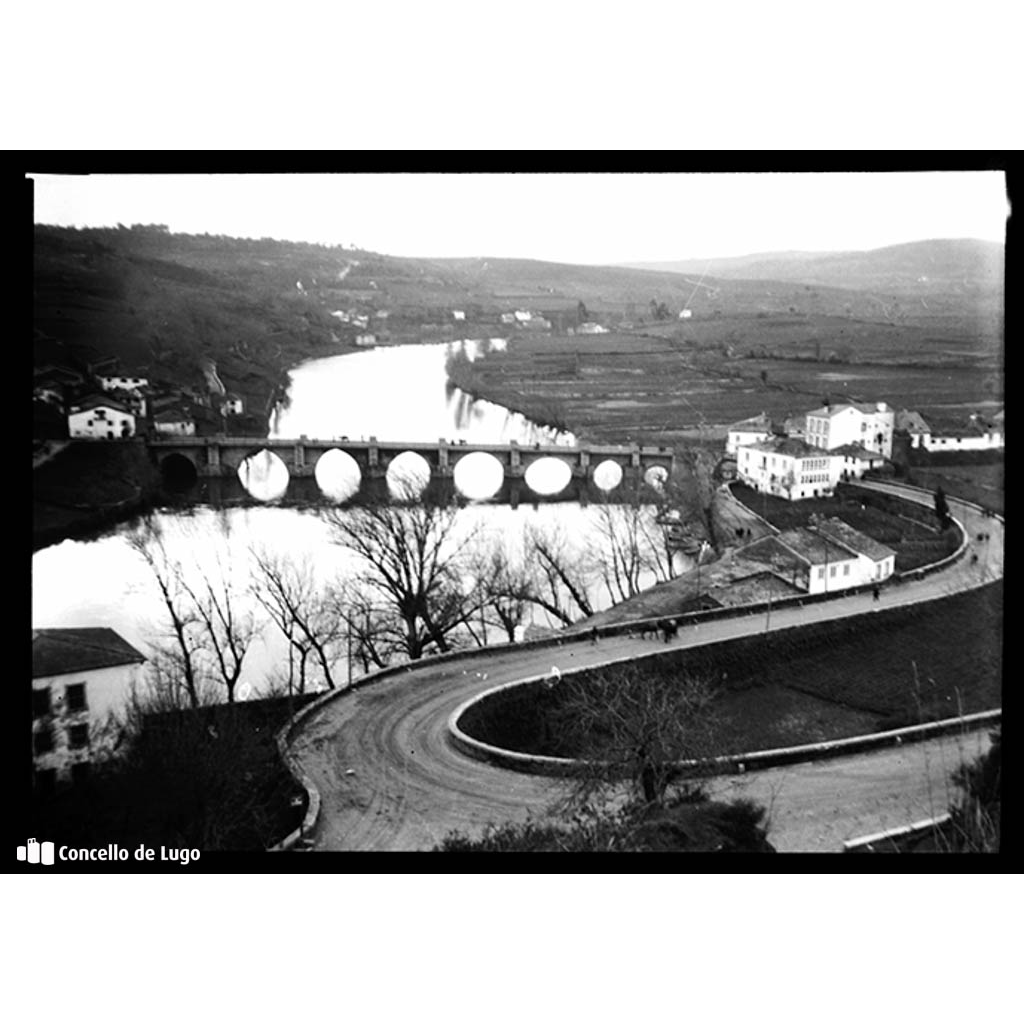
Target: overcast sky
[{"x": 570, "y": 218}]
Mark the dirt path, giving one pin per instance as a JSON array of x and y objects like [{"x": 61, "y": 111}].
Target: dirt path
[{"x": 389, "y": 779}]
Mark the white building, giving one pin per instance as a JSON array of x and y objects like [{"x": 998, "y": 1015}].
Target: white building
[
  {"x": 867, "y": 424},
  {"x": 458, "y": 314},
  {"x": 789, "y": 468},
  {"x": 508, "y": 318},
  {"x": 758, "y": 428},
  {"x": 857, "y": 460},
  {"x": 591, "y": 328},
  {"x": 916, "y": 426},
  {"x": 79, "y": 677},
  {"x": 685, "y": 314},
  {"x": 366, "y": 340},
  {"x": 232, "y": 405},
  {"x": 126, "y": 383},
  {"x": 101, "y": 418},
  {"x": 522, "y": 316},
  {"x": 807, "y": 560},
  {"x": 174, "y": 422},
  {"x": 876, "y": 562},
  {"x": 976, "y": 435}
]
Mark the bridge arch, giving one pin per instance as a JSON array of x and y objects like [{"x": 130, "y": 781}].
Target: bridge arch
[
  {"x": 656, "y": 477},
  {"x": 548, "y": 475},
  {"x": 264, "y": 475},
  {"x": 178, "y": 472},
  {"x": 607, "y": 475},
  {"x": 408, "y": 475},
  {"x": 478, "y": 475},
  {"x": 337, "y": 475}
]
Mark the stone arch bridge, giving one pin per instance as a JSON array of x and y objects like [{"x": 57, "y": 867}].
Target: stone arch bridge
[{"x": 220, "y": 457}]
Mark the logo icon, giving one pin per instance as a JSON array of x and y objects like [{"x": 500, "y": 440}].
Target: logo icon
[{"x": 36, "y": 853}]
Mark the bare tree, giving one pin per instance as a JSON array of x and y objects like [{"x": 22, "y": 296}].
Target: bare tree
[
  {"x": 374, "y": 634},
  {"x": 228, "y": 628},
  {"x": 414, "y": 560},
  {"x": 309, "y": 618},
  {"x": 634, "y": 725},
  {"x": 567, "y": 577},
  {"x": 181, "y": 655},
  {"x": 510, "y": 588},
  {"x": 632, "y": 546}
]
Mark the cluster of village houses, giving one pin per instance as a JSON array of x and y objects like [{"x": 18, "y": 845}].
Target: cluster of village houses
[
  {"x": 103, "y": 404},
  {"x": 806, "y": 457}
]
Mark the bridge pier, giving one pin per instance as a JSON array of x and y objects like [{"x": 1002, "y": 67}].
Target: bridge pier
[{"x": 219, "y": 456}]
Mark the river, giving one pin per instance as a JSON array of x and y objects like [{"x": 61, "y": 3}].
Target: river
[{"x": 394, "y": 393}]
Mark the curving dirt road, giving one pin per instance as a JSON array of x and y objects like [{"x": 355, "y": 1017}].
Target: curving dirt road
[{"x": 389, "y": 780}]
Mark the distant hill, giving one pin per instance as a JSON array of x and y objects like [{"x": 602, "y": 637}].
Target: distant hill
[
  {"x": 168, "y": 305},
  {"x": 966, "y": 265}
]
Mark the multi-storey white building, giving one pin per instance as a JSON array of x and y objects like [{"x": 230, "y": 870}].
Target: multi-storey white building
[
  {"x": 867, "y": 424},
  {"x": 79, "y": 676},
  {"x": 789, "y": 468},
  {"x": 103, "y": 418},
  {"x": 757, "y": 428}
]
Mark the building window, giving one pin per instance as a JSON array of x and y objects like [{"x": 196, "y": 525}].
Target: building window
[
  {"x": 821, "y": 568},
  {"x": 42, "y": 741},
  {"x": 74, "y": 695},
  {"x": 78, "y": 736},
  {"x": 831, "y": 570},
  {"x": 40, "y": 703},
  {"x": 846, "y": 569}
]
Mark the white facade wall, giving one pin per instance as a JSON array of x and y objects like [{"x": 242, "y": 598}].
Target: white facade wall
[
  {"x": 836, "y": 575},
  {"x": 106, "y": 691},
  {"x": 970, "y": 443},
  {"x": 851, "y": 426},
  {"x": 789, "y": 476},
  {"x": 736, "y": 438},
  {"x": 128, "y": 383},
  {"x": 101, "y": 422},
  {"x": 176, "y": 428}
]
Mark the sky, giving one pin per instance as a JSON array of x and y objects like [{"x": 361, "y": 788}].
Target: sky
[{"x": 569, "y": 218}]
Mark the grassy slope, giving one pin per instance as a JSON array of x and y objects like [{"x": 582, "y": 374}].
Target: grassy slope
[{"x": 820, "y": 682}]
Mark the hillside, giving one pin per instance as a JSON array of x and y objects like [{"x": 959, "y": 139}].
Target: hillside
[
  {"x": 969, "y": 268},
  {"x": 166, "y": 305}
]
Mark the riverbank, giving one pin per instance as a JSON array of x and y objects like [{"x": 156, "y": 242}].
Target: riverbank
[{"x": 90, "y": 486}]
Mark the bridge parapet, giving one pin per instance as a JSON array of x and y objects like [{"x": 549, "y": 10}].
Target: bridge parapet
[{"x": 222, "y": 456}]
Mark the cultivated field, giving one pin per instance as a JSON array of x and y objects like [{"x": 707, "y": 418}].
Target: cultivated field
[{"x": 686, "y": 382}]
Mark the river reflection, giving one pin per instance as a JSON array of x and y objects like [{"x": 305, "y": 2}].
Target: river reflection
[
  {"x": 105, "y": 583},
  {"x": 400, "y": 393}
]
